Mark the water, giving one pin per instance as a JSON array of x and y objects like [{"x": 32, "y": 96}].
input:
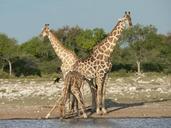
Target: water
[{"x": 89, "y": 123}]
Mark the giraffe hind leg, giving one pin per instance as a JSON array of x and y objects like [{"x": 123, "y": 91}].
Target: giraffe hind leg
[
  {"x": 79, "y": 98},
  {"x": 99, "y": 82}
]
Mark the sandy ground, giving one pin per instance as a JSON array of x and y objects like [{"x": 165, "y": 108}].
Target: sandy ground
[
  {"x": 135, "y": 96},
  {"x": 153, "y": 109}
]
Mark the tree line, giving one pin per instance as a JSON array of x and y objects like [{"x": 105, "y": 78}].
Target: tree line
[{"x": 140, "y": 49}]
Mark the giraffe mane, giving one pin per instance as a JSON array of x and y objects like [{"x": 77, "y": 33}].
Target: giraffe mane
[
  {"x": 104, "y": 40},
  {"x": 62, "y": 44}
]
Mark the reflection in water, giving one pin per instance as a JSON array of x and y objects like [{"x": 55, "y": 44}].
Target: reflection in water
[{"x": 89, "y": 123}]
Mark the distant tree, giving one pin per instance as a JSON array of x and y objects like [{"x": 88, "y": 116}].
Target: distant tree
[
  {"x": 40, "y": 53},
  {"x": 143, "y": 43},
  {"x": 67, "y": 35},
  {"x": 165, "y": 54},
  {"x": 88, "y": 38},
  {"x": 8, "y": 50},
  {"x": 79, "y": 40},
  {"x": 25, "y": 66},
  {"x": 38, "y": 48}
]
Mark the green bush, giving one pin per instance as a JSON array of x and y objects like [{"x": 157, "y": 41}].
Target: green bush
[
  {"x": 120, "y": 73},
  {"x": 5, "y": 75}
]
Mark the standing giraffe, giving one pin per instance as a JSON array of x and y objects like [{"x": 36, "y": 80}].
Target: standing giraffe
[
  {"x": 67, "y": 56},
  {"x": 73, "y": 82},
  {"x": 72, "y": 85},
  {"x": 98, "y": 64}
]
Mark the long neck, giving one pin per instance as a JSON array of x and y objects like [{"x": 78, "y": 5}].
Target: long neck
[
  {"x": 106, "y": 47},
  {"x": 58, "y": 47}
]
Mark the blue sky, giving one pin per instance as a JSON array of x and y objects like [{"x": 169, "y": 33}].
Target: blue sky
[{"x": 23, "y": 19}]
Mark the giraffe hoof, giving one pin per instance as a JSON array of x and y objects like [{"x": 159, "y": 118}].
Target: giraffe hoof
[
  {"x": 47, "y": 116},
  {"x": 61, "y": 118},
  {"x": 104, "y": 110},
  {"x": 85, "y": 116},
  {"x": 98, "y": 112}
]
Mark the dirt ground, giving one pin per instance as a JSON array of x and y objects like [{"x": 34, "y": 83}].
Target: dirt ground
[
  {"x": 117, "y": 110},
  {"x": 135, "y": 96}
]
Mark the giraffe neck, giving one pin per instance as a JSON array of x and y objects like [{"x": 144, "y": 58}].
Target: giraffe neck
[
  {"x": 63, "y": 53},
  {"x": 106, "y": 47}
]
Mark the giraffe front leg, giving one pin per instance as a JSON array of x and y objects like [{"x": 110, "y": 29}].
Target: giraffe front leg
[
  {"x": 93, "y": 94},
  {"x": 79, "y": 98},
  {"x": 61, "y": 109},
  {"x": 103, "y": 95},
  {"x": 104, "y": 111},
  {"x": 63, "y": 102},
  {"x": 99, "y": 95},
  {"x": 73, "y": 102}
]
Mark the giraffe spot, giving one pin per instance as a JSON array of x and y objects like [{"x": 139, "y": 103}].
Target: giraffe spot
[
  {"x": 92, "y": 59},
  {"x": 107, "y": 52},
  {"x": 117, "y": 36},
  {"x": 102, "y": 71},
  {"x": 95, "y": 54},
  {"x": 91, "y": 69},
  {"x": 102, "y": 62},
  {"x": 105, "y": 58},
  {"x": 114, "y": 33},
  {"x": 98, "y": 62},
  {"x": 118, "y": 27},
  {"x": 101, "y": 49},
  {"x": 100, "y": 57},
  {"x": 122, "y": 28},
  {"x": 87, "y": 72},
  {"x": 107, "y": 45},
  {"x": 110, "y": 39}
]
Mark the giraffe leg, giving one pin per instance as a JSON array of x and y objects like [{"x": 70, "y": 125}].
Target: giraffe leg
[
  {"x": 72, "y": 103},
  {"x": 65, "y": 95},
  {"x": 77, "y": 108},
  {"x": 93, "y": 94},
  {"x": 62, "y": 106},
  {"x": 75, "y": 105},
  {"x": 56, "y": 104},
  {"x": 103, "y": 94},
  {"x": 99, "y": 95},
  {"x": 79, "y": 98}
]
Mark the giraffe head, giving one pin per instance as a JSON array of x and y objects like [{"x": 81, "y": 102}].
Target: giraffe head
[
  {"x": 45, "y": 30},
  {"x": 126, "y": 19}
]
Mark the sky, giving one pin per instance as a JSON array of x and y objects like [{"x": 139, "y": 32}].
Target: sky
[{"x": 24, "y": 19}]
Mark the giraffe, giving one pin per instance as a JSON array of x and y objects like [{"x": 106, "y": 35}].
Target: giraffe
[
  {"x": 98, "y": 64},
  {"x": 67, "y": 56},
  {"x": 72, "y": 84}
]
